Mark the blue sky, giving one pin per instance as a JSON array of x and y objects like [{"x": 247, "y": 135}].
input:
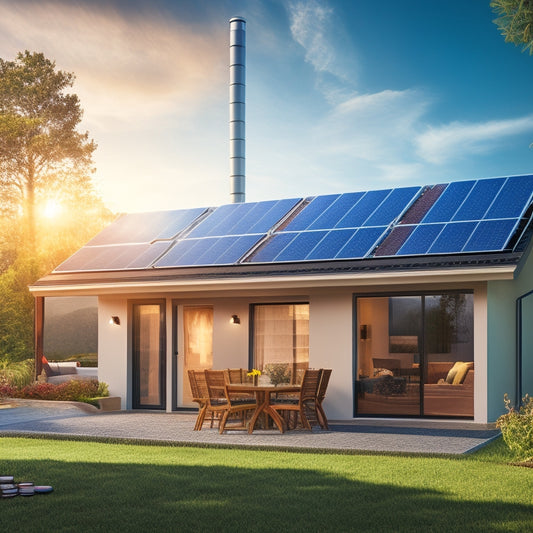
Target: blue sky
[{"x": 341, "y": 95}]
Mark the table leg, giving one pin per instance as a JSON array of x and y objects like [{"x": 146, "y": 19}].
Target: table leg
[{"x": 261, "y": 399}]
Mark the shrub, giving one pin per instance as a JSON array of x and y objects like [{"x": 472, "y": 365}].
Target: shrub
[
  {"x": 16, "y": 373},
  {"x": 278, "y": 373},
  {"x": 73, "y": 390},
  {"x": 517, "y": 428}
]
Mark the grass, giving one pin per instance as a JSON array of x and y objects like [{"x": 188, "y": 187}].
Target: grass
[{"x": 114, "y": 487}]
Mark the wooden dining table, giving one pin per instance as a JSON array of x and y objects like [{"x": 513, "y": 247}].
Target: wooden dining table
[{"x": 263, "y": 397}]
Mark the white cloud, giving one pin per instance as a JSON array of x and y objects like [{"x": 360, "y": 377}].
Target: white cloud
[
  {"x": 129, "y": 64},
  {"x": 309, "y": 27},
  {"x": 457, "y": 139},
  {"x": 374, "y": 127}
]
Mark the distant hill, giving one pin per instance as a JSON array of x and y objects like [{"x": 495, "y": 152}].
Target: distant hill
[{"x": 71, "y": 333}]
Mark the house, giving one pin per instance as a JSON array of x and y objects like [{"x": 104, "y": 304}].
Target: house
[{"x": 418, "y": 298}]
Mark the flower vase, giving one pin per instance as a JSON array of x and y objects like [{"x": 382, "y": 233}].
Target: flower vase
[{"x": 256, "y": 380}]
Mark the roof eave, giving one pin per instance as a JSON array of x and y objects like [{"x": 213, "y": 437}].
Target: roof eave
[{"x": 51, "y": 287}]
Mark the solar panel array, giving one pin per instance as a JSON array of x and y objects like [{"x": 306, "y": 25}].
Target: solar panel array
[
  {"x": 461, "y": 217},
  {"x": 343, "y": 226},
  {"x": 468, "y": 216},
  {"x": 132, "y": 241},
  {"x": 227, "y": 234}
]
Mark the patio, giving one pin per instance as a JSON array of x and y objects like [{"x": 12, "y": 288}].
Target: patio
[{"x": 72, "y": 419}]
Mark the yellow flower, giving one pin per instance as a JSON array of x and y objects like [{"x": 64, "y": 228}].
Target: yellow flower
[{"x": 254, "y": 372}]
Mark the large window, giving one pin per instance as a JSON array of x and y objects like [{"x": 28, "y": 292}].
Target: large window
[
  {"x": 416, "y": 355},
  {"x": 198, "y": 344},
  {"x": 281, "y": 337}
]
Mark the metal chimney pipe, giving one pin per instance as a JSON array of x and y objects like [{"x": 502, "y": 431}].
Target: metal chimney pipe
[{"x": 237, "y": 54}]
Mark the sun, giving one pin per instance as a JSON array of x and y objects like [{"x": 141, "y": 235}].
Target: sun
[{"x": 52, "y": 209}]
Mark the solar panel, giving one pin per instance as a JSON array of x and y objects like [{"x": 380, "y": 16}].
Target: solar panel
[
  {"x": 360, "y": 212},
  {"x": 331, "y": 216},
  {"x": 311, "y": 212},
  {"x": 479, "y": 200},
  {"x": 148, "y": 256},
  {"x": 337, "y": 226},
  {"x": 110, "y": 257},
  {"x": 513, "y": 199},
  {"x": 475, "y": 216},
  {"x": 392, "y": 206},
  {"x": 452, "y": 238},
  {"x": 146, "y": 227},
  {"x": 490, "y": 235},
  {"x": 272, "y": 247},
  {"x": 300, "y": 246},
  {"x": 221, "y": 215},
  {"x": 185, "y": 252},
  {"x": 448, "y": 202},
  {"x": 331, "y": 244},
  {"x": 462, "y": 217},
  {"x": 271, "y": 216},
  {"x": 361, "y": 244},
  {"x": 419, "y": 241}
]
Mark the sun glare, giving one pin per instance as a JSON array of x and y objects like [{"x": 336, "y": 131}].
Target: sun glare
[{"x": 52, "y": 209}]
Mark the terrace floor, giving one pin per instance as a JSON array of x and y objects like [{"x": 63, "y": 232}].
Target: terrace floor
[{"x": 31, "y": 417}]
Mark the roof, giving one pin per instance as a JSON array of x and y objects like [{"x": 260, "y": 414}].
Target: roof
[{"x": 474, "y": 224}]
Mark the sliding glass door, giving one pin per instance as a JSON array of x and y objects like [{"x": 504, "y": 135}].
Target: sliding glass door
[
  {"x": 148, "y": 350},
  {"x": 415, "y": 355}
]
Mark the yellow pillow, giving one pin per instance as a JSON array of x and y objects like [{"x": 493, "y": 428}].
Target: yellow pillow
[
  {"x": 461, "y": 374},
  {"x": 453, "y": 371}
]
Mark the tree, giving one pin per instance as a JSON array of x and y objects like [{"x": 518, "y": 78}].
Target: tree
[
  {"x": 41, "y": 151},
  {"x": 515, "y": 21}
]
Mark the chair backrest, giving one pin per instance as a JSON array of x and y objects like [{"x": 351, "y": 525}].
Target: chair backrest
[
  {"x": 234, "y": 375},
  {"x": 310, "y": 383},
  {"x": 215, "y": 384},
  {"x": 194, "y": 386},
  {"x": 201, "y": 384},
  {"x": 324, "y": 380}
]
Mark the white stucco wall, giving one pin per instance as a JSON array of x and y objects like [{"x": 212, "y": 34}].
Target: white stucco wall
[
  {"x": 331, "y": 338},
  {"x": 501, "y": 320},
  {"x": 113, "y": 367},
  {"x": 330, "y": 346}
]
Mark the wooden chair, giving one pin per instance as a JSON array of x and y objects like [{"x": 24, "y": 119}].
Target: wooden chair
[
  {"x": 235, "y": 375},
  {"x": 199, "y": 397},
  {"x": 237, "y": 405},
  {"x": 216, "y": 397},
  {"x": 321, "y": 394},
  {"x": 238, "y": 375},
  {"x": 308, "y": 394}
]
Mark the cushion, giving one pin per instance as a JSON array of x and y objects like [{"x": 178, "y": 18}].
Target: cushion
[
  {"x": 462, "y": 370},
  {"x": 46, "y": 368},
  {"x": 379, "y": 372},
  {"x": 453, "y": 372}
]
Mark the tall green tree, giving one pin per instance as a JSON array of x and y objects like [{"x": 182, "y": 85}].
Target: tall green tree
[
  {"x": 41, "y": 150},
  {"x": 515, "y": 21}
]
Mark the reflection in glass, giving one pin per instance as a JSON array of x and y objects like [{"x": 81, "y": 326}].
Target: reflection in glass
[{"x": 415, "y": 355}]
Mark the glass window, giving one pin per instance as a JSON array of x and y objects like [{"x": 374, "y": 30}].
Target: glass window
[
  {"x": 415, "y": 355},
  {"x": 148, "y": 356},
  {"x": 198, "y": 344},
  {"x": 281, "y": 337}
]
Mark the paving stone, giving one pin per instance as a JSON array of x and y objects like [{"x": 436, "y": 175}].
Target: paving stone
[{"x": 74, "y": 419}]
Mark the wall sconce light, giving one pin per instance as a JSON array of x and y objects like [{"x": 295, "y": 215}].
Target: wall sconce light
[
  {"x": 235, "y": 319},
  {"x": 364, "y": 332},
  {"x": 114, "y": 320}
]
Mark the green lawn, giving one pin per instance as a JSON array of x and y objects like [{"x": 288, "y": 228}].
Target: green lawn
[{"x": 111, "y": 487}]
